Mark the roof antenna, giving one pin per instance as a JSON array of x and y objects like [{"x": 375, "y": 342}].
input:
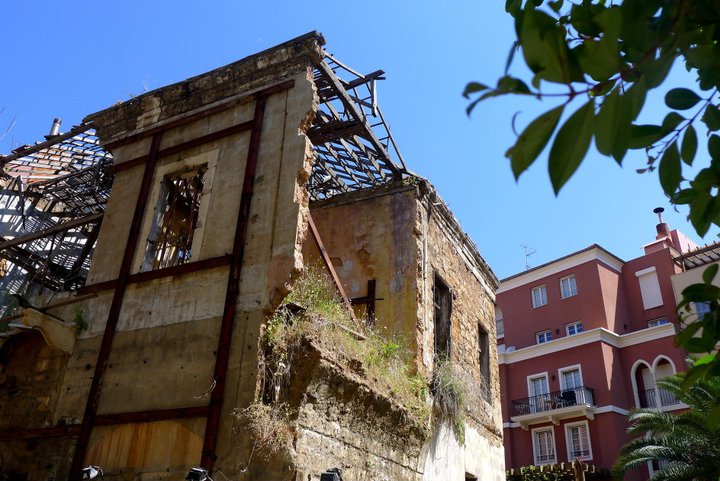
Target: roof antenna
[{"x": 528, "y": 252}]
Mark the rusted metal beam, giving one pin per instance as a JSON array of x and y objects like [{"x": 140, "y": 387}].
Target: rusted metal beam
[
  {"x": 114, "y": 313},
  {"x": 160, "y": 273},
  {"x": 151, "y": 416},
  {"x": 217, "y": 396},
  {"x": 50, "y": 231},
  {"x": 328, "y": 263},
  {"x": 368, "y": 301},
  {"x": 106, "y": 420},
  {"x": 235, "y": 129}
]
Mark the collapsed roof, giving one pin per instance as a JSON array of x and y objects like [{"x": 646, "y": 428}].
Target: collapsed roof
[{"x": 54, "y": 192}]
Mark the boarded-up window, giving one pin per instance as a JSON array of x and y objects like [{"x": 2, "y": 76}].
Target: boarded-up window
[
  {"x": 443, "y": 306},
  {"x": 175, "y": 220},
  {"x": 649, "y": 288}
]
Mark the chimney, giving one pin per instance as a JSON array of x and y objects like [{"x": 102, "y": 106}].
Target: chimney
[
  {"x": 663, "y": 231},
  {"x": 55, "y": 129}
]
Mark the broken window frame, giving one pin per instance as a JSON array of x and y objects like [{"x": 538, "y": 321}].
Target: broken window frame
[
  {"x": 484, "y": 355},
  {"x": 442, "y": 315},
  {"x": 165, "y": 248}
]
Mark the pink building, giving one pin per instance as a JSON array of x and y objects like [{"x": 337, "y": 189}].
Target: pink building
[{"x": 581, "y": 341}]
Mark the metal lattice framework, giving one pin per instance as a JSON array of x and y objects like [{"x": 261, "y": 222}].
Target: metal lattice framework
[
  {"x": 353, "y": 144},
  {"x": 52, "y": 200}
]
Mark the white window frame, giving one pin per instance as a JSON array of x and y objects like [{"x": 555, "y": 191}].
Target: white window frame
[
  {"x": 533, "y": 405},
  {"x": 537, "y": 375},
  {"x": 573, "y": 324},
  {"x": 542, "y": 301},
  {"x": 572, "y": 284},
  {"x": 536, "y": 431},
  {"x": 574, "y": 367},
  {"x": 568, "y": 441},
  {"x": 544, "y": 341}
]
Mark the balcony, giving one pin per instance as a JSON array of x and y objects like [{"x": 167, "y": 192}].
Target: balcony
[
  {"x": 553, "y": 406},
  {"x": 657, "y": 397}
]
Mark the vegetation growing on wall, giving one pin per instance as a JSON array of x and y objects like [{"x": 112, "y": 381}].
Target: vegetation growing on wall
[
  {"x": 450, "y": 388},
  {"x": 313, "y": 313}
]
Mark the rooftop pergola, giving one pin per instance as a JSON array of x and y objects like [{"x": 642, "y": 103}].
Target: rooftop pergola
[{"x": 699, "y": 257}]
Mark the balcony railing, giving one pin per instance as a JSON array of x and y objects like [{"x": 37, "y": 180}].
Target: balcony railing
[
  {"x": 551, "y": 401},
  {"x": 650, "y": 398}
]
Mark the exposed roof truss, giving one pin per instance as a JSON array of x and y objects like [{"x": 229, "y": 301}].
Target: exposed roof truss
[
  {"x": 52, "y": 200},
  {"x": 352, "y": 142}
]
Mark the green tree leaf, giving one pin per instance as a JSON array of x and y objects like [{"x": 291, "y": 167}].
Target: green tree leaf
[
  {"x": 612, "y": 129},
  {"x": 642, "y": 136},
  {"x": 571, "y": 144},
  {"x": 670, "y": 170},
  {"x": 636, "y": 96},
  {"x": 709, "y": 273},
  {"x": 681, "y": 99},
  {"x": 533, "y": 140},
  {"x": 714, "y": 147},
  {"x": 545, "y": 50},
  {"x": 671, "y": 121},
  {"x": 472, "y": 88},
  {"x": 689, "y": 145},
  {"x": 711, "y": 117}
]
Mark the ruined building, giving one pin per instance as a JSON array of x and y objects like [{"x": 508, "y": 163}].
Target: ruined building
[{"x": 145, "y": 254}]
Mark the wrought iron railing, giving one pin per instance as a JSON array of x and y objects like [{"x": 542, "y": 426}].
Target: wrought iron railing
[
  {"x": 552, "y": 401},
  {"x": 652, "y": 398}
]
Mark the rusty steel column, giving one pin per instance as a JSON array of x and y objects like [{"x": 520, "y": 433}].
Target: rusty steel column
[
  {"x": 222, "y": 358},
  {"x": 113, "y": 316}
]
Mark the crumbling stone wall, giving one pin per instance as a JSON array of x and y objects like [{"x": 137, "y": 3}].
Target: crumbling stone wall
[{"x": 28, "y": 396}]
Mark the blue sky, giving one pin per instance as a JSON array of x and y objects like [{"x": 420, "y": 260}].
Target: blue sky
[{"x": 71, "y": 58}]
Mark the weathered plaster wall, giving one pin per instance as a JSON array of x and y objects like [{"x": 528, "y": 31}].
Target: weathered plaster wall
[
  {"x": 401, "y": 236},
  {"x": 371, "y": 235},
  {"x": 447, "y": 251}
]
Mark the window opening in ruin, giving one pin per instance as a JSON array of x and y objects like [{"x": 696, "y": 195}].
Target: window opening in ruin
[
  {"x": 470, "y": 477},
  {"x": 175, "y": 221},
  {"x": 484, "y": 355},
  {"x": 443, "y": 305}
]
